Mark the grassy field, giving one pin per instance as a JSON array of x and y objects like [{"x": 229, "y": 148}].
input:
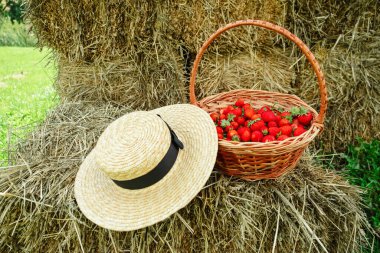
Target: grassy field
[{"x": 26, "y": 90}]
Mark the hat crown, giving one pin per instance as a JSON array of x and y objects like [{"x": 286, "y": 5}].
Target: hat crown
[{"x": 132, "y": 145}]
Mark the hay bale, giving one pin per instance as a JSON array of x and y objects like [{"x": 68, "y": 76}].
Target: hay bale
[
  {"x": 352, "y": 75},
  {"x": 142, "y": 81},
  {"x": 191, "y": 22},
  {"x": 317, "y": 20},
  {"x": 89, "y": 30},
  {"x": 267, "y": 68},
  {"x": 306, "y": 211}
]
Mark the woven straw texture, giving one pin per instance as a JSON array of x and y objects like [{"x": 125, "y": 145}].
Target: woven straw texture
[
  {"x": 112, "y": 207},
  {"x": 132, "y": 145},
  {"x": 250, "y": 160}
]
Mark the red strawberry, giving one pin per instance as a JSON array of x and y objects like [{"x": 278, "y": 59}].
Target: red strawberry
[
  {"x": 256, "y": 136},
  {"x": 282, "y": 137},
  {"x": 214, "y": 116},
  {"x": 263, "y": 109},
  {"x": 234, "y": 125},
  {"x": 249, "y": 112},
  {"x": 285, "y": 114},
  {"x": 237, "y": 112},
  {"x": 256, "y": 116},
  {"x": 241, "y": 130},
  {"x": 284, "y": 122},
  {"x": 268, "y": 138},
  {"x": 286, "y": 130},
  {"x": 272, "y": 124},
  {"x": 240, "y": 120},
  {"x": 247, "y": 106},
  {"x": 246, "y": 136},
  {"x": 298, "y": 131},
  {"x": 231, "y": 133},
  {"x": 274, "y": 131},
  {"x": 268, "y": 116},
  {"x": 219, "y": 130},
  {"x": 220, "y": 136},
  {"x": 222, "y": 116},
  {"x": 228, "y": 109},
  {"x": 305, "y": 119},
  {"x": 235, "y": 138},
  {"x": 228, "y": 128},
  {"x": 256, "y": 126},
  {"x": 278, "y": 118},
  {"x": 240, "y": 102},
  {"x": 264, "y": 130}
]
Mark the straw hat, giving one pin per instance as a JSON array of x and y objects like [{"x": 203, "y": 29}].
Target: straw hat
[{"x": 146, "y": 166}]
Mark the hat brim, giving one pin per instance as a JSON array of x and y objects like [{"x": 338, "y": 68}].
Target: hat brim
[{"x": 112, "y": 207}]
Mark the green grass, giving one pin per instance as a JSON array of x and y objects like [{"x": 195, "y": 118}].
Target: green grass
[
  {"x": 15, "y": 34},
  {"x": 26, "y": 90}
]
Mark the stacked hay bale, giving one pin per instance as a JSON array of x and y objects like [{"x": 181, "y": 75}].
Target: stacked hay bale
[
  {"x": 311, "y": 210},
  {"x": 109, "y": 51}
]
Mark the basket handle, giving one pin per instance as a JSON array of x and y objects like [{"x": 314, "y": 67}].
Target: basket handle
[{"x": 267, "y": 25}]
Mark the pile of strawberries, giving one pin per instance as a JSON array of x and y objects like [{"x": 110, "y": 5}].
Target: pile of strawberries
[{"x": 241, "y": 122}]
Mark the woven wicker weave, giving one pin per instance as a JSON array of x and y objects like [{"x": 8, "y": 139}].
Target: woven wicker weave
[{"x": 253, "y": 160}]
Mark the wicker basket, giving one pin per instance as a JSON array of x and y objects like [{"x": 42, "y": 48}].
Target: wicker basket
[{"x": 252, "y": 160}]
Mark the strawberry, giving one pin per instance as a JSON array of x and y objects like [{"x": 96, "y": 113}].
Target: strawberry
[
  {"x": 272, "y": 124},
  {"x": 240, "y": 120},
  {"x": 247, "y": 106},
  {"x": 256, "y": 116},
  {"x": 230, "y": 108},
  {"x": 240, "y": 102},
  {"x": 304, "y": 116},
  {"x": 222, "y": 116},
  {"x": 249, "y": 112},
  {"x": 268, "y": 138},
  {"x": 298, "y": 131},
  {"x": 286, "y": 130},
  {"x": 241, "y": 130},
  {"x": 237, "y": 112},
  {"x": 263, "y": 109},
  {"x": 274, "y": 131},
  {"x": 219, "y": 130},
  {"x": 235, "y": 138},
  {"x": 257, "y": 125},
  {"x": 264, "y": 130},
  {"x": 268, "y": 116},
  {"x": 246, "y": 136},
  {"x": 305, "y": 119},
  {"x": 234, "y": 125},
  {"x": 284, "y": 122},
  {"x": 220, "y": 136},
  {"x": 256, "y": 136},
  {"x": 285, "y": 114},
  {"x": 231, "y": 133},
  {"x": 278, "y": 118},
  {"x": 228, "y": 128},
  {"x": 214, "y": 116},
  {"x": 282, "y": 137}
]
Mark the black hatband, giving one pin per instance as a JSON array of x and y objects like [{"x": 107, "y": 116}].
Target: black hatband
[{"x": 159, "y": 171}]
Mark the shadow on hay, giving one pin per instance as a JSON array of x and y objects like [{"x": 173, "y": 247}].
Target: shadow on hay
[{"x": 310, "y": 209}]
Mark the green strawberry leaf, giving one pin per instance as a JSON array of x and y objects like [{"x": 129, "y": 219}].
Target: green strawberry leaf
[
  {"x": 250, "y": 123},
  {"x": 225, "y": 123},
  {"x": 290, "y": 118},
  {"x": 235, "y": 138},
  {"x": 231, "y": 117}
]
